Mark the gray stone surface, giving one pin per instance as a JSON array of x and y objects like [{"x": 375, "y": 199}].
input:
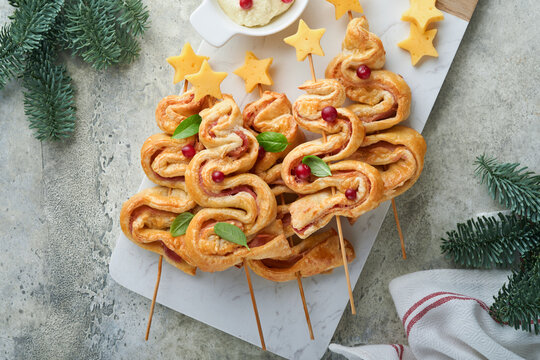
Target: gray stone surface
[{"x": 61, "y": 201}]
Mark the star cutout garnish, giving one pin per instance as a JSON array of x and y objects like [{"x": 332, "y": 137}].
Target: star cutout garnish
[
  {"x": 306, "y": 41},
  {"x": 344, "y": 6},
  {"x": 422, "y": 13},
  {"x": 255, "y": 71},
  {"x": 207, "y": 82},
  {"x": 419, "y": 44},
  {"x": 186, "y": 63}
]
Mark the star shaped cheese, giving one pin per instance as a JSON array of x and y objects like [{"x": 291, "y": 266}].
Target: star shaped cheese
[
  {"x": 422, "y": 13},
  {"x": 419, "y": 44},
  {"x": 344, "y": 6},
  {"x": 306, "y": 41},
  {"x": 186, "y": 63},
  {"x": 207, "y": 82},
  {"x": 255, "y": 71}
]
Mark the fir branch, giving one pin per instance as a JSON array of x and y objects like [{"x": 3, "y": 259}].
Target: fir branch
[
  {"x": 487, "y": 242},
  {"x": 31, "y": 20},
  {"x": 517, "y": 189},
  {"x": 48, "y": 96},
  {"x": 129, "y": 46},
  {"x": 91, "y": 28},
  {"x": 518, "y": 302},
  {"x": 133, "y": 16}
]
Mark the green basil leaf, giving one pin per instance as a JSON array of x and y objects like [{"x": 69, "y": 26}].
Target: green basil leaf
[
  {"x": 188, "y": 127},
  {"x": 231, "y": 233},
  {"x": 272, "y": 141},
  {"x": 318, "y": 167},
  {"x": 180, "y": 224}
]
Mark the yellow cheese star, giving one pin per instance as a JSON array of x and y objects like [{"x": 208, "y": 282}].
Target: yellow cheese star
[
  {"x": 186, "y": 63},
  {"x": 255, "y": 71},
  {"x": 207, "y": 82},
  {"x": 306, "y": 41},
  {"x": 419, "y": 44},
  {"x": 422, "y": 13},
  {"x": 344, "y": 6}
]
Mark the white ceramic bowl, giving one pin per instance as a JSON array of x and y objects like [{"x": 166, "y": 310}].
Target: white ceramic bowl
[{"x": 217, "y": 28}]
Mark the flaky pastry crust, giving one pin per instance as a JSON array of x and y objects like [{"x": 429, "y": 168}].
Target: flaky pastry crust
[
  {"x": 174, "y": 109},
  {"x": 384, "y": 99},
  {"x": 242, "y": 199},
  {"x": 146, "y": 219},
  {"x": 317, "y": 254}
]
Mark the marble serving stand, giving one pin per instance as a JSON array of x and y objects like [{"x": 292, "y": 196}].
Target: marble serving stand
[{"x": 222, "y": 299}]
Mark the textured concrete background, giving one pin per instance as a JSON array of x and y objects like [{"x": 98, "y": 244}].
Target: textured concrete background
[{"x": 61, "y": 201}]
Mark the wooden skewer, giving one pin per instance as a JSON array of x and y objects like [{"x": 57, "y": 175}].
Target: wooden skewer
[
  {"x": 350, "y": 15},
  {"x": 255, "y": 309},
  {"x": 301, "y": 289},
  {"x": 154, "y": 298},
  {"x": 338, "y": 220},
  {"x": 403, "y": 253},
  {"x": 159, "y": 266}
]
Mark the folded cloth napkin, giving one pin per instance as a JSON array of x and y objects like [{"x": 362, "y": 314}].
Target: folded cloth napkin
[{"x": 445, "y": 314}]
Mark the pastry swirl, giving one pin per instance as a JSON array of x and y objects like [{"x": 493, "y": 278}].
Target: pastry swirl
[
  {"x": 174, "y": 109},
  {"x": 398, "y": 154},
  {"x": 384, "y": 99},
  {"x": 272, "y": 113},
  {"x": 242, "y": 199},
  {"x": 346, "y": 134},
  {"x": 146, "y": 219},
  {"x": 317, "y": 254}
]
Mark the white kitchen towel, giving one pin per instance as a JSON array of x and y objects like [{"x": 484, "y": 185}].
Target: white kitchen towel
[{"x": 445, "y": 314}]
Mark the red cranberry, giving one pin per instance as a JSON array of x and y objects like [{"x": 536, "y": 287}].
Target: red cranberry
[
  {"x": 287, "y": 1},
  {"x": 218, "y": 176},
  {"x": 246, "y": 4},
  {"x": 329, "y": 114},
  {"x": 189, "y": 151},
  {"x": 363, "y": 72},
  {"x": 350, "y": 194},
  {"x": 302, "y": 171},
  {"x": 261, "y": 153}
]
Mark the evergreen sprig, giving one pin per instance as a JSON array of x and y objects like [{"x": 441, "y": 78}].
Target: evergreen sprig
[
  {"x": 102, "y": 32},
  {"x": 488, "y": 242},
  {"x": 491, "y": 241},
  {"x": 48, "y": 96},
  {"x": 514, "y": 187},
  {"x": 518, "y": 302}
]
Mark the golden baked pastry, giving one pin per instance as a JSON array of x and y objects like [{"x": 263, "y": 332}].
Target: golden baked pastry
[
  {"x": 398, "y": 153},
  {"x": 317, "y": 254},
  {"x": 272, "y": 112},
  {"x": 380, "y": 101},
  {"x": 174, "y": 109},
  {"x": 239, "y": 198},
  {"x": 146, "y": 218},
  {"x": 163, "y": 161},
  {"x": 311, "y": 212}
]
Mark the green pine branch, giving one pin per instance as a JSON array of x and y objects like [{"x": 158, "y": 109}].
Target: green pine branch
[
  {"x": 518, "y": 302},
  {"x": 133, "y": 16},
  {"x": 48, "y": 96},
  {"x": 487, "y": 242},
  {"x": 517, "y": 189},
  {"x": 30, "y": 22}
]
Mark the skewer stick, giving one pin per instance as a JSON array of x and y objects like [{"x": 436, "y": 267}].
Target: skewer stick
[
  {"x": 255, "y": 309},
  {"x": 350, "y": 15},
  {"x": 403, "y": 253},
  {"x": 159, "y": 265},
  {"x": 154, "y": 298},
  {"x": 301, "y": 289},
  {"x": 338, "y": 220}
]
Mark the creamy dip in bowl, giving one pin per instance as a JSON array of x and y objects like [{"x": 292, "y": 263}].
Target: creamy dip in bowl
[
  {"x": 254, "y": 12},
  {"x": 216, "y": 27}
]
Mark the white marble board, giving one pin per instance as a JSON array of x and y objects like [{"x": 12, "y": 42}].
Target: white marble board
[{"x": 222, "y": 299}]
